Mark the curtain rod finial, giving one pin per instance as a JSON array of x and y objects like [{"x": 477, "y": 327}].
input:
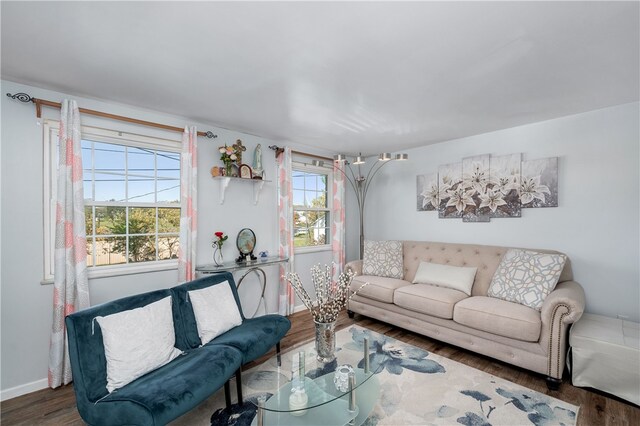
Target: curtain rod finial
[
  {"x": 22, "y": 97},
  {"x": 210, "y": 135}
]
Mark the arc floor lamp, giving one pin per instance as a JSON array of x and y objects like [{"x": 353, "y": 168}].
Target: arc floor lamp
[{"x": 361, "y": 183}]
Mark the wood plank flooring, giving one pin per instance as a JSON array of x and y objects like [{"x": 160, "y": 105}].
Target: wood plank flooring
[{"x": 57, "y": 407}]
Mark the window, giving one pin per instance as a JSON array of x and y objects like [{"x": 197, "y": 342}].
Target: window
[
  {"x": 132, "y": 200},
  {"x": 311, "y": 206}
]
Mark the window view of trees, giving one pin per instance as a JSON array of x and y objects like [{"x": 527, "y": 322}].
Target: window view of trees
[
  {"x": 310, "y": 209},
  {"x": 132, "y": 204}
]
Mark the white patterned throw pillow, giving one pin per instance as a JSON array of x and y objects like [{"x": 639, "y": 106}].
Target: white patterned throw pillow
[
  {"x": 383, "y": 259},
  {"x": 526, "y": 277}
]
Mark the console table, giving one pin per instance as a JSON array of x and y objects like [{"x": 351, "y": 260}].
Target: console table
[{"x": 248, "y": 265}]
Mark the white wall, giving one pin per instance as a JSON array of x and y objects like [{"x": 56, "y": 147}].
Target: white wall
[
  {"x": 596, "y": 223},
  {"x": 26, "y": 304}
]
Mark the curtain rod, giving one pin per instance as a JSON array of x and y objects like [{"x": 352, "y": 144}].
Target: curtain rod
[
  {"x": 280, "y": 150},
  {"x": 23, "y": 97}
]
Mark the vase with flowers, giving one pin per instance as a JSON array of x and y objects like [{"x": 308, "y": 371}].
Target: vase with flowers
[
  {"x": 218, "y": 240},
  {"x": 330, "y": 298},
  {"x": 228, "y": 155}
]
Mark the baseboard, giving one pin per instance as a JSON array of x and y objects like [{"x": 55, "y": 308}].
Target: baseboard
[
  {"x": 23, "y": 389},
  {"x": 299, "y": 308}
]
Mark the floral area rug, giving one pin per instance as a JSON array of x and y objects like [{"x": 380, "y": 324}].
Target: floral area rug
[{"x": 416, "y": 388}]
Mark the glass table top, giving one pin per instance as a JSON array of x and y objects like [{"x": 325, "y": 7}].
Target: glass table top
[{"x": 278, "y": 378}]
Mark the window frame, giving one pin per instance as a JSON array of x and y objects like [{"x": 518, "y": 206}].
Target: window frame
[
  {"x": 301, "y": 166},
  {"x": 96, "y": 134}
]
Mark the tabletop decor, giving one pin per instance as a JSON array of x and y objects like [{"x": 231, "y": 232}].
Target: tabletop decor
[
  {"x": 218, "y": 241},
  {"x": 330, "y": 299}
]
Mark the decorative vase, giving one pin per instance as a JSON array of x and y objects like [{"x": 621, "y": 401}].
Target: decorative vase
[
  {"x": 228, "y": 169},
  {"x": 326, "y": 341},
  {"x": 217, "y": 256}
]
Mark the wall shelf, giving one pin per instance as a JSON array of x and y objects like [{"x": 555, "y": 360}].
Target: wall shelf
[{"x": 226, "y": 180}]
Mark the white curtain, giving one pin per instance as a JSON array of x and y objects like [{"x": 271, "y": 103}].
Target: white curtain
[
  {"x": 71, "y": 286},
  {"x": 337, "y": 222},
  {"x": 188, "y": 205},
  {"x": 286, "y": 299}
]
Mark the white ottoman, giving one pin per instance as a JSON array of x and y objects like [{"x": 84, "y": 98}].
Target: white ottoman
[{"x": 606, "y": 355}]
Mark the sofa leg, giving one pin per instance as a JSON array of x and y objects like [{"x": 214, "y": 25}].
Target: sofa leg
[
  {"x": 227, "y": 395},
  {"x": 553, "y": 383},
  {"x": 278, "y": 354},
  {"x": 351, "y": 314},
  {"x": 239, "y": 385}
]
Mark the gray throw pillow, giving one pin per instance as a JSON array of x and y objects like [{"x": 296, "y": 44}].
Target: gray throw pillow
[
  {"x": 526, "y": 277},
  {"x": 383, "y": 259}
]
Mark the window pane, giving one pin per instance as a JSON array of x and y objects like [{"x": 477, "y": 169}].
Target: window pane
[
  {"x": 301, "y": 240},
  {"x": 141, "y": 161},
  {"x": 111, "y": 221},
  {"x": 141, "y": 189},
  {"x": 142, "y": 220},
  {"x": 168, "y": 247},
  {"x": 88, "y": 220},
  {"x": 168, "y": 220},
  {"x": 322, "y": 183},
  {"x": 297, "y": 180},
  {"x": 142, "y": 248},
  {"x": 89, "y": 251},
  {"x": 87, "y": 184},
  {"x": 298, "y": 198},
  {"x": 168, "y": 164},
  {"x": 310, "y": 181},
  {"x": 169, "y": 191},
  {"x": 109, "y": 186},
  {"x": 311, "y": 228},
  {"x": 316, "y": 199},
  {"x": 86, "y": 154},
  {"x": 110, "y": 250}
]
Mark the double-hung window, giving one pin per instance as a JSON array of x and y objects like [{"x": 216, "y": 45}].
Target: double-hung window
[
  {"x": 132, "y": 200},
  {"x": 311, "y": 207}
]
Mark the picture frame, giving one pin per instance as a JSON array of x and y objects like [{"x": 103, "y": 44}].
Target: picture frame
[{"x": 245, "y": 171}]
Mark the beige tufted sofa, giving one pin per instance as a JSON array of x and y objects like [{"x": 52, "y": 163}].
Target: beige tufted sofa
[{"x": 510, "y": 332}]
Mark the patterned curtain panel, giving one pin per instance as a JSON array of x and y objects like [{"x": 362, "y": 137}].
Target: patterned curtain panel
[
  {"x": 337, "y": 222},
  {"x": 286, "y": 300},
  {"x": 71, "y": 286},
  {"x": 188, "y": 205}
]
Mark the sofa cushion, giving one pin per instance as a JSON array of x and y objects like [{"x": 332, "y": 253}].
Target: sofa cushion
[
  {"x": 175, "y": 388},
  {"x": 383, "y": 259},
  {"x": 377, "y": 288},
  {"x": 256, "y": 336},
  {"x": 215, "y": 310},
  {"x": 499, "y": 317},
  {"x": 190, "y": 333},
  {"x": 428, "y": 299},
  {"x": 137, "y": 341},
  {"x": 526, "y": 277},
  {"x": 453, "y": 277}
]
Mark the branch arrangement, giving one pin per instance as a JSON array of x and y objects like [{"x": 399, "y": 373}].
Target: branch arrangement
[{"x": 331, "y": 297}]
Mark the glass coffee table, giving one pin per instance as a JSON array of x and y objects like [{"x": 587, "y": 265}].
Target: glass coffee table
[{"x": 348, "y": 402}]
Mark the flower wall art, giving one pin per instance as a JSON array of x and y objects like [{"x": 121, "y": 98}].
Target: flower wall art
[{"x": 485, "y": 186}]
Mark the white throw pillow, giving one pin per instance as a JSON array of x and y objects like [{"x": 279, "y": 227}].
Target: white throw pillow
[
  {"x": 526, "y": 277},
  {"x": 215, "y": 309},
  {"x": 455, "y": 277},
  {"x": 383, "y": 259},
  {"x": 137, "y": 341}
]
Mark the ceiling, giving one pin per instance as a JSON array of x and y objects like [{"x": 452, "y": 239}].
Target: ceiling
[{"x": 347, "y": 77}]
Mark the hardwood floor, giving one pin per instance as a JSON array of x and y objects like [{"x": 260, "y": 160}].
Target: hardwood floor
[{"x": 57, "y": 407}]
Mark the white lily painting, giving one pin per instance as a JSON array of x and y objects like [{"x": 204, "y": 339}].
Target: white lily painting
[
  {"x": 427, "y": 191},
  {"x": 453, "y": 198},
  {"x": 539, "y": 185},
  {"x": 484, "y": 186}
]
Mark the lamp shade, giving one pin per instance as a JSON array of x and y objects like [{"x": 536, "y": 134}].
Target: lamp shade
[
  {"x": 359, "y": 159},
  {"x": 402, "y": 157},
  {"x": 385, "y": 156},
  {"x": 339, "y": 157}
]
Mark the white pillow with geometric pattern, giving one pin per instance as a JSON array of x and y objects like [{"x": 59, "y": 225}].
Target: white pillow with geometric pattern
[
  {"x": 383, "y": 259},
  {"x": 526, "y": 277}
]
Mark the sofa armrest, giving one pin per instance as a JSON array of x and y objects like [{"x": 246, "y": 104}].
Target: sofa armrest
[
  {"x": 567, "y": 295},
  {"x": 563, "y": 306},
  {"x": 354, "y": 266}
]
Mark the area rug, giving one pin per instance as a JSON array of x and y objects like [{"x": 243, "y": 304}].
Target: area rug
[{"x": 416, "y": 388}]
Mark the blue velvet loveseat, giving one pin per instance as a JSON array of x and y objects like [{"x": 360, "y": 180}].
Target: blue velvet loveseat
[{"x": 177, "y": 387}]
